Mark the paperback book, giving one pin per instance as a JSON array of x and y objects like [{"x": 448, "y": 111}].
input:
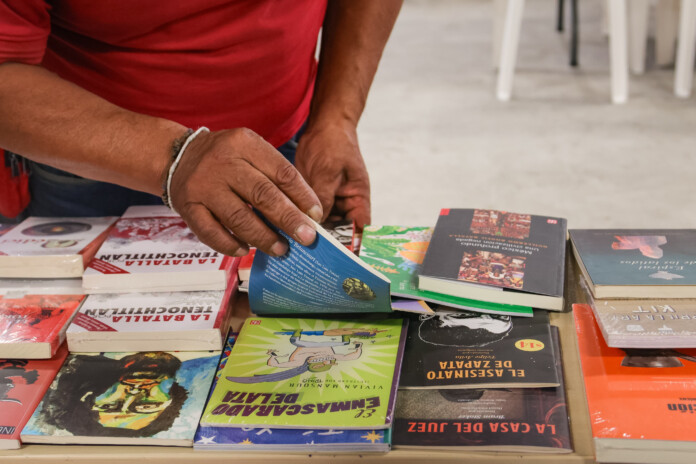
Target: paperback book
[
  {"x": 144, "y": 398},
  {"x": 151, "y": 249},
  {"x": 519, "y": 420},
  {"x": 310, "y": 374},
  {"x": 287, "y": 440},
  {"x": 398, "y": 253},
  {"x": 51, "y": 248},
  {"x": 33, "y": 327},
  {"x": 637, "y": 263},
  {"x": 17, "y": 288},
  {"x": 641, "y": 402},
  {"x": 462, "y": 349},
  {"x": 323, "y": 277},
  {"x": 22, "y": 385},
  {"x": 497, "y": 256},
  {"x": 164, "y": 321}
]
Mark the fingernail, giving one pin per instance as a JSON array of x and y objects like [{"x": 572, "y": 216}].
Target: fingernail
[
  {"x": 279, "y": 248},
  {"x": 315, "y": 212},
  {"x": 305, "y": 234},
  {"x": 241, "y": 252}
]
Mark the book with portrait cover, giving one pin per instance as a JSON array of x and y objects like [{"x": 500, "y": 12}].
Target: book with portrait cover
[
  {"x": 310, "y": 374},
  {"x": 163, "y": 321},
  {"x": 519, "y": 420},
  {"x": 143, "y": 398},
  {"x": 287, "y": 440},
  {"x": 637, "y": 263},
  {"x": 324, "y": 277},
  {"x": 398, "y": 252},
  {"x": 497, "y": 256},
  {"x": 463, "y": 349},
  {"x": 22, "y": 385},
  {"x": 151, "y": 249},
  {"x": 642, "y": 402},
  {"x": 33, "y": 326},
  {"x": 49, "y": 248}
]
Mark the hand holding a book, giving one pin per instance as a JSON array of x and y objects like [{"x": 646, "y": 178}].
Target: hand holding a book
[
  {"x": 224, "y": 172},
  {"x": 330, "y": 160}
]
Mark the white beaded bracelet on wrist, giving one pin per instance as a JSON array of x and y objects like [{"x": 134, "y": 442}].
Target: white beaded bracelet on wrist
[{"x": 166, "y": 195}]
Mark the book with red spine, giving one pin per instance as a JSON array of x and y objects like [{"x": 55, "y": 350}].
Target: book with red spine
[
  {"x": 33, "y": 327},
  {"x": 51, "y": 248},
  {"x": 151, "y": 249},
  {"x": 22, "y": 385}
]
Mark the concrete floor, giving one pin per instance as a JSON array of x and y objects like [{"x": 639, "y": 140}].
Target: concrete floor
[{"x": 433, "y": 134}]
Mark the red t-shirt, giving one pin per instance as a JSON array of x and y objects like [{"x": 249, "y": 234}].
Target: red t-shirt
[{"x": 214, "y": 63}]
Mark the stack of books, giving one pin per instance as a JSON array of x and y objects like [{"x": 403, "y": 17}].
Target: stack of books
[
  {"x": 637, "y": 338},
  {"x": 306, "y": 385}
]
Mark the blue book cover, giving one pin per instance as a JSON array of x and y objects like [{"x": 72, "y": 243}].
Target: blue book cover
[
  {"x": 320, "y": 278},
  {"x": 637, "y": 263}
]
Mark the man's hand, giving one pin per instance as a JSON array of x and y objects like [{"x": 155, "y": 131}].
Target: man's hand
[
  {"x": 221, "y": 173},
  {"x": 330, "y": 161}
]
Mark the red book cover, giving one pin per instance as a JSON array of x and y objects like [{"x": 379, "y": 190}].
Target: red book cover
[
  {"x": 22, "y": 385},
  {"x": 32, "y": 327},
  {"x": 639, "y": 400}
]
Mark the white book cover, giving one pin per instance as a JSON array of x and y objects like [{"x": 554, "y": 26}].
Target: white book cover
[
  {"x": 42, "y": 247},
  {"x": 152, "y": 249},
  {"x": 150, "y": 321}
]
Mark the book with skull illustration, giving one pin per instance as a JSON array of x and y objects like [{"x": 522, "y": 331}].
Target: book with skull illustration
[
  {"x": 311, "y": 374},
  {"x": 51, "y": 248},
  {"x": 141, "y": 398},
  {"x": 22, "y": 385},
  {"x": 637, "y": 263},
  {"x": 642, "y": 402},
  {"x": 516, "y": 420},
  {"x": 151, "y": 249},
  {"x": 463, "y": 349}
]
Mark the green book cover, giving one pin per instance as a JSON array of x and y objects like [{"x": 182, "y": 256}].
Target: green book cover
[
  {"x": 398, "y": 251},
  {"x": 310, "y": 373}
]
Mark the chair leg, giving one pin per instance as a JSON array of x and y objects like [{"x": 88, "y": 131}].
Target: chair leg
[
  {"x": 508, "y": 51},
  {"x": 618, "y": 51},
  {"x": 638, "y": 34},
  {"x": 574, "y": 32},
  {"x": 666, "y": 26},
  {"x": 560, "y": 13},
  {"x": 684, "y": 69},
  {"x": 499, "y": 9}
]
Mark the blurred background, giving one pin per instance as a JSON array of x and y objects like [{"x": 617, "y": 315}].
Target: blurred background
[{"x": 434, "y": 134}]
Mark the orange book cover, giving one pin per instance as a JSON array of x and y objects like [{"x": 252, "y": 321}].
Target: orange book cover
[{"x": 636, "y": 394}]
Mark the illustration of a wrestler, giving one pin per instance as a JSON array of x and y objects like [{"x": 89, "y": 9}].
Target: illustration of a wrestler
[{"x": 314, "y": 352}]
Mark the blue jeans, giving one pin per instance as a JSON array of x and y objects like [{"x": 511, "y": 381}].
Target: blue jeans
[{"x": 58, "y": 193}]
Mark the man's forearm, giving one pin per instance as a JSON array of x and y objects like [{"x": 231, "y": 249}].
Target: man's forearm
[
  {"x": 353, "y": 38},
  {"x": 52, "y": 121}
]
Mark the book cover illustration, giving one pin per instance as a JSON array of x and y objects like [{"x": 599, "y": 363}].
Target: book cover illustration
[
  {"x": 322, "y": 277},
  {"x": 514, "y": 420},
  {"x": 498, "y": 250},
  {"x": 398, "y": 253},
  {"x": 310, "y": 373},
  {"x": 39, "y": 236},
  {"x": 624, "y": 257},
  {"x": 663, "y": 323},
  {"x": 35, "y": 319},
  {"x": 125, "y": 398},
  {"x": 22, "y": 385},
  {"x": 463, "y": 349},
  {"x": 638, "y": 399},
  {"x": 251, "y": 439},
  {"x": 150, "y": 244}
]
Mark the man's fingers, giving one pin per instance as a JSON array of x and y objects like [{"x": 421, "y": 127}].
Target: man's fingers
[{"x": 209, "y": 231}]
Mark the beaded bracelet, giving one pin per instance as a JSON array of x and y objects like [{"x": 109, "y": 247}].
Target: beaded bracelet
[{"x": 178, "y": 149}]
